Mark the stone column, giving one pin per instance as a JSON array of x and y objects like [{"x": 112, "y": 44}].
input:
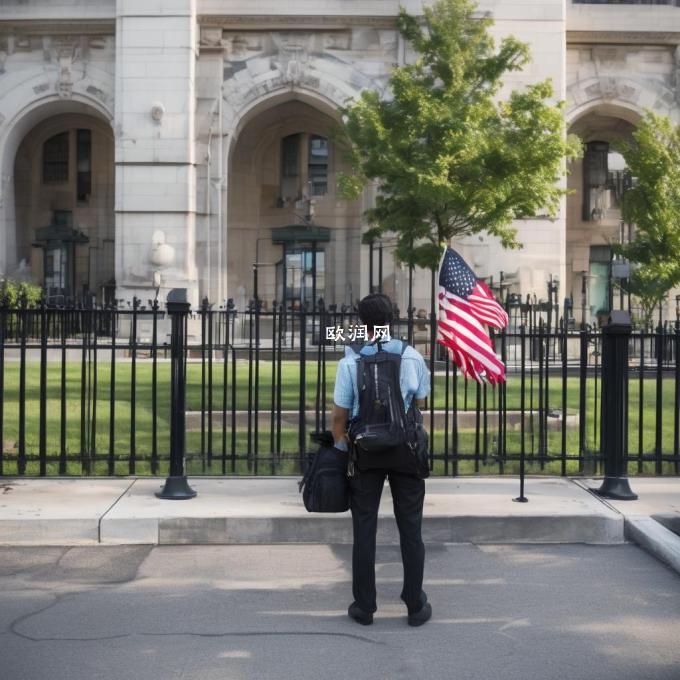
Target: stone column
[
  {"x": 211, "y": 181},
  {"x": 155, "y": 149}
]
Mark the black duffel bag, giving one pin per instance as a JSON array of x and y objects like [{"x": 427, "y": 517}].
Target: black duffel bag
[{"x": 325, "y": 485}]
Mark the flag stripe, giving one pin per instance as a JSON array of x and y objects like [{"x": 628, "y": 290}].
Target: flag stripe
[
  {"x": 470, "y": 347},
  {"x": 483, "y": 353},
  {"x": 470, "y": 332}
]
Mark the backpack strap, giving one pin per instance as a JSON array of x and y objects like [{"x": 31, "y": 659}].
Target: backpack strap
[
  {"x": 360, "y": 376},
  {"x": 376, "y": 342},
  {"x": 355, "y": 347}
]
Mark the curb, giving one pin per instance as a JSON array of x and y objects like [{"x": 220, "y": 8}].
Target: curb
[
  {"x": 655, "y": 539},
  {"x": 590, "y": 529},
  {"x": 646, "y": 532}
]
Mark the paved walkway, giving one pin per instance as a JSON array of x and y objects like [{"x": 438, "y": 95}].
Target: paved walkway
[{"x": 268, "y": 612}]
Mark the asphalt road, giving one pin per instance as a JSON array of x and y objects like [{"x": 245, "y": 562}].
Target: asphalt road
[{"x": 276, "y": 612}]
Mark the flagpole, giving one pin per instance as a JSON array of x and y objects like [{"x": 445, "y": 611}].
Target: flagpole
[{"x": 433, "y": 336}]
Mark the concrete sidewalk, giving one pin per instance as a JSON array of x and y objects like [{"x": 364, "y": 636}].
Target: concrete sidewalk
[
  {"x": 653, "y": 520},
  {"x": 266, "y": 510}
]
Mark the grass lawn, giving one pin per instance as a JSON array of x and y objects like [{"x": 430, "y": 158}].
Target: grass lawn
[{"x": 133, "y": 427}]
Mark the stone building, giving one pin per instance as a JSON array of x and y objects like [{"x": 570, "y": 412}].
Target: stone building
[{"x": 190, "y": 143}]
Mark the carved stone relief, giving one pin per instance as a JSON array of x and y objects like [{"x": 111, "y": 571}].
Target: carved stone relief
[
  {"x": 336, "y": 63},
  {"x": 61, "y": 51},
  {"x": 640, "y": 75}
]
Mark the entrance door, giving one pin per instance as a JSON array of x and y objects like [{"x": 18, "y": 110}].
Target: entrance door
[
  {"x": 295, "y": 284},
  {"x": 57, "y": 270},
  {"x": 599, "y": 281}
]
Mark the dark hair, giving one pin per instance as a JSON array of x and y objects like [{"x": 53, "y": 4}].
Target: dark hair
[{"x": 375, "y": 310}]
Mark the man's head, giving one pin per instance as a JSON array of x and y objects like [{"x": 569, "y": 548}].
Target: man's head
[{"x": 375, "y": 310}]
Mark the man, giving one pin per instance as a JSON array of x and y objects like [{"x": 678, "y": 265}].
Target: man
[{"x": 408, "y": 491}]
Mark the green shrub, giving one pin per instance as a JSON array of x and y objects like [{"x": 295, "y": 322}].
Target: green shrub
[{"x": 15, "y": 293}]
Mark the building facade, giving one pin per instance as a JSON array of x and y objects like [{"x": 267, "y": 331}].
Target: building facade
[{"x": 190, "y": 143}]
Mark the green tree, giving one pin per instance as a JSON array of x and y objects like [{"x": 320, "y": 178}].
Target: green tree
[
  {"x": 652, "y": 204},
  {"x": 448, "y": 156},
  {"x": 645, "y": 284}
]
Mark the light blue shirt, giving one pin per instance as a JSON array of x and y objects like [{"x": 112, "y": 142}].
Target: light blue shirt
[{"x": 414, "y": 378}]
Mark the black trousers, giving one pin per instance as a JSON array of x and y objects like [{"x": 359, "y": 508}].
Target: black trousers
[{"x": 408, "y": 493}]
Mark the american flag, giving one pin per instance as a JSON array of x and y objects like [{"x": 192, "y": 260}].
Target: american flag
[{"x": 466, "y": 305}]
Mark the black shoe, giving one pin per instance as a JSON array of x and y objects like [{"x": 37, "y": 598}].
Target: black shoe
[
  {"x": 359, "y": 615},
  {"x": 421, "y": 616}
]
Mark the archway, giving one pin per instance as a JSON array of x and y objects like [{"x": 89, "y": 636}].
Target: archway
[
  {"x": 58, "y": 200},
  {"x": 597, "y": 182},
  {"x": 284, "y": 209}
]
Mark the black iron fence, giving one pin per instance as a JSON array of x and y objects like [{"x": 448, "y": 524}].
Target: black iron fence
[{"x": 88, "y": 391}]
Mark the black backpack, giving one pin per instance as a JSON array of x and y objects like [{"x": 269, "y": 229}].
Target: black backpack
[
  {"x": 382, "y": 434},
  {"x": 325, "y": 485}
]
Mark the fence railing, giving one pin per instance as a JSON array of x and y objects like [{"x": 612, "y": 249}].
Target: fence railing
[{"x": 87, "y": 391}]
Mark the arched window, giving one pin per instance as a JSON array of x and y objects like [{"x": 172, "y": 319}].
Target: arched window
[{"x": 55, "y": 158}]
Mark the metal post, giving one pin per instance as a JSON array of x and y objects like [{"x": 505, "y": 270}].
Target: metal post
[
  {"x": 313, "y": 282},
  {"x": 410, "y": 304},
  {"x": 615, "y": 337},
  {"x": 584, "y": 288},
  {"x": 522, "y": 498},
  {"x": 176, "y": 485}
]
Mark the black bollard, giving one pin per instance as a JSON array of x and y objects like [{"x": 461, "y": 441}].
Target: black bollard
[
  {"x": 614, "y": 409},
  {"x": 176, "y": 485}
]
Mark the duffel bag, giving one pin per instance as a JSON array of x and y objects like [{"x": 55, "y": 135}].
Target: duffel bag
[{"x": 325, "y": 485}]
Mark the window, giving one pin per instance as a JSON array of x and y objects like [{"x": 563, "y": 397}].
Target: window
[
  {"x": 605, "y": 178},
  {"x": 290, "y": 149},
  {"x": 290, "y": 167},
  {"x": 317, "y": 165},
  {"x": 83, "y": 165},
  {"x": 63, "y": 218},
  {"x": 304, "y": 167},
  {"x": 55, "y": 158}
]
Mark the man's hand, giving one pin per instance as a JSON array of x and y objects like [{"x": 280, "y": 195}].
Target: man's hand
[{"x": 339, "y": 417}]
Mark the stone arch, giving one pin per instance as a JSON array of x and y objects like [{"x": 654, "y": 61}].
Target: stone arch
[
  {"x": 259, "y": 104},
  {"x": 12, "y": 133},
  {"x": 624, "y": 97},
  {"x": 587, "y": 237},
  {"x": 625, "y": 111},
  {"x": 280, "y": 114},
  {"x": 76, "y": 78}
]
